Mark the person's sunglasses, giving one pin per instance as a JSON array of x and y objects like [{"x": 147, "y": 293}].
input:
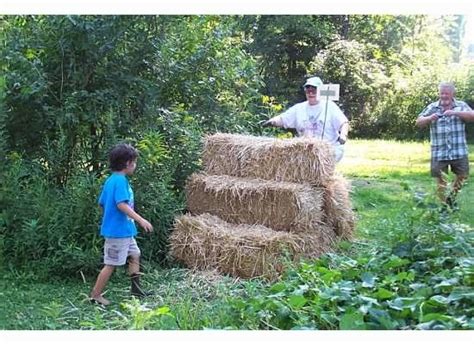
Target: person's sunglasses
[{"x": 310, "y": 89}]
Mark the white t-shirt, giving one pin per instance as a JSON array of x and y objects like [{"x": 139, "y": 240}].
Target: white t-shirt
[{"x": 308, "y": 120}]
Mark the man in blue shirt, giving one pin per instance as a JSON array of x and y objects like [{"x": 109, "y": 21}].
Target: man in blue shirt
[
  {"x": 118, "y": 222},
  {"x": 446, "y": 118}
]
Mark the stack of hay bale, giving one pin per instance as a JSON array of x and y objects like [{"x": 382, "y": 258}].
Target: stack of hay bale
[{"x": 260, "y": 201}]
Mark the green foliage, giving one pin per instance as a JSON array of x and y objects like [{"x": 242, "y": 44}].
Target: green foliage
[
  {"x": 155, "y": 198},
  {"x": 361, "y": 76},
  {"x": 419, "y": 276},
  {"x": 205, "y": 71},
  {"x": 50, "y": 231},
  {"x": 284, "y": 45},
  {"x": 387, "y": 32},
  {"x": 454, "y": 33},
  {"x": 77, "y": 85}
]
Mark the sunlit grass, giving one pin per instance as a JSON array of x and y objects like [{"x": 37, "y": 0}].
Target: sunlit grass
[
  {"x": 391, "y": 166},
  {"x": 383, "y": 159}
]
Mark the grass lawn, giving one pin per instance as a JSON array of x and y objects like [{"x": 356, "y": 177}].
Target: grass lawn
[
  {"x": 382, "y": 170},
  {"x": 388, "y": 180}
]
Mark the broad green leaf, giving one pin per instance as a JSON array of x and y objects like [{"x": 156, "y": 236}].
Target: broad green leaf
[
  {"x": 297, "y": 301},
  {"x": 396, "y": 262},
  {"x": 431, "y": 325},
  {"x": 436, "y": 316},
  {"x": 331, "y": 276},
  {"x": 432, "y": 306},
  {"x": 368, "y": 280},
  {"x": 278, "y": 287},
  {"x": 401, "y": 303},
  {"x": 405, "y": 276},
  {"x": 383, "y": 294},
  {"x": 440, "y": 299},
  {"x": 447, "y": 283},
  {"x": 383, "y": 318},
  {"x": 352, "y": 321},
  {"x": 369, "y": 300},
  {"x": 459, "y": 293},
  {"x": 466, "y": 262},
  {"x": 163, "y": 311}
]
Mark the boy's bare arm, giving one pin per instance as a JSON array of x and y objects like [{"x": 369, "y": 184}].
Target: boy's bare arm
[{"x": 124, "y": 207}]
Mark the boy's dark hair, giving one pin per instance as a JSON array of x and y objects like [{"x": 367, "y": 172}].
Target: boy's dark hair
[{"x": 121, "y": 154}]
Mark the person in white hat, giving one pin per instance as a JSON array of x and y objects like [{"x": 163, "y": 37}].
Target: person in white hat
[{"x": 310, "y": 119}]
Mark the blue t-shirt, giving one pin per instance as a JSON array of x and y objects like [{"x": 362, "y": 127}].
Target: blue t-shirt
[{"x": 115, "y": 223}]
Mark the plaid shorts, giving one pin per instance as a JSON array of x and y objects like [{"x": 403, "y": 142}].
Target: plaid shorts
[
  {"x": 459, "y": 167},
  {"x": 116, "y": 250}
]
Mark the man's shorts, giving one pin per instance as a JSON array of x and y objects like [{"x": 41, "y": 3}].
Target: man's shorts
[
  {"x": 116, "y": 250},
  {"x": 459, "y": 167}
]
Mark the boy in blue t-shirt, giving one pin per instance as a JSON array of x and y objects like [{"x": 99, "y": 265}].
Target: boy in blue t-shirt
[{"x": 118, "y": 223}]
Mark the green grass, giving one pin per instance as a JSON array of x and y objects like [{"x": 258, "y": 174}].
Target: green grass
[
  {"x": 395, "y": 203},
  {"x": 383, "y": 170},
  {"x": 182, "y": 300}
]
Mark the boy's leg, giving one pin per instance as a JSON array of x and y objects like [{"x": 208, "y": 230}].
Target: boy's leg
[
  {"x": 134, "y": 269},
  {"x": 102, "y": 279},
  {"x": 133, "y": 265},
  {"x": 115, "y": 254}
]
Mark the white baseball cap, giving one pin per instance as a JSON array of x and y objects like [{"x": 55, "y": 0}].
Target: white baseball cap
[{"x": 314, "y": 81}]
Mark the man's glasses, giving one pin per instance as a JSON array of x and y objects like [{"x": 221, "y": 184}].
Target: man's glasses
[{"x": 310, "y": 89}]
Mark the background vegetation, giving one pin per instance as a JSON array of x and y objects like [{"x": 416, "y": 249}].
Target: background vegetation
[{"x": 73, "y": 86}]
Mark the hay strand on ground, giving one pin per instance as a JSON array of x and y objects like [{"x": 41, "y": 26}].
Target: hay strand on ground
[
  {"x": 279, "y": 205},
  {"x": 298, "y": 160}
]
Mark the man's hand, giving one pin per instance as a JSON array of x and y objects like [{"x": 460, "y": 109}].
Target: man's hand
[
  {"x": 451, "y": 113},
  {"x": 434, "y": 117},
  {"x": 274, "y": 122},
  {"x": 146, "y": 225}
]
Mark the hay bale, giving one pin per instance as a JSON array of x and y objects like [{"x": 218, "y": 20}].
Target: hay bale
[
  {"x": 207, "y": 242},
  {"x": 279, "y": 205},
  {"x": 338, "y": 212},
  {"x": 299, "y": 160}
]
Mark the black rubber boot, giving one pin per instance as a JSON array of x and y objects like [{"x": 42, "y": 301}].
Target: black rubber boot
[{"x": 136, "y": 290}]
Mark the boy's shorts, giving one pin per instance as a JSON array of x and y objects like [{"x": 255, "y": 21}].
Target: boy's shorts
[
  {"x": 116, "y": 250},
  {"x": 459, "y": 167}
]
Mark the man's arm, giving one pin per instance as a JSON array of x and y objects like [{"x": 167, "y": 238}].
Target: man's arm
[
  {"x": 124, "y": 207},
  {"x": 467, "y": 116},
  {"x": 274, "y": 121},
  {"x": 343, "y": 132},
  {"x": 424, "y": 121}
]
